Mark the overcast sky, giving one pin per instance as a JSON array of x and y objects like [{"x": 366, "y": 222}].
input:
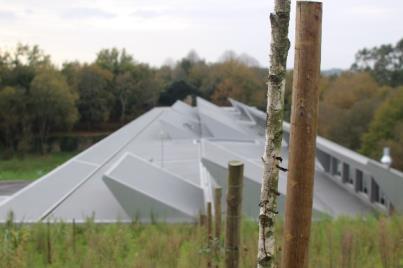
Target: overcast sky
[{"x": 155, "y": 30}]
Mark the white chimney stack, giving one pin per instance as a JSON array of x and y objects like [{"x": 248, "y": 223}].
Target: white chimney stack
[{"x": 386, "y": 159}]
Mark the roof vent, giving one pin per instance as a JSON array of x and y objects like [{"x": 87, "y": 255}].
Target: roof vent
[{"x": 386, "y": 159}]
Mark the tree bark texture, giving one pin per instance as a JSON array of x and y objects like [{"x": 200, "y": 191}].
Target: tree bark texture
[
  {"x": 302, "y": 144},
  {"x": 274, "y": 132}
]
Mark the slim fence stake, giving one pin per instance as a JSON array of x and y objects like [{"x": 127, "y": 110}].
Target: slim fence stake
[
  {"x": 233, "y": 219},
  {"x": 49, "y": 244},
  {"x": 217, "y": 212},
  {"x": 209, "y": 234},
  {"x": 74, "y": 236},
  {"x": 217, "y": 220}
]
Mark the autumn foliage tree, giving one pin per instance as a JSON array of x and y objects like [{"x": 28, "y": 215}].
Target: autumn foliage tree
[
  {"x": 235, "y": 79},
  {"x": 115, "y": 88},
  {"x": 225, "y": 89},
  {"x": 387, "y": 129},
  {"x": 347, "y": 106}
]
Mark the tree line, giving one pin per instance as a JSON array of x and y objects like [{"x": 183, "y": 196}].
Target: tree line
[
  {"x": 39, "y": 100},
  {"x": 360, "y": 108}
]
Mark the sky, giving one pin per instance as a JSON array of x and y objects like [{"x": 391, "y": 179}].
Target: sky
[{"x": 154, "y": 31}]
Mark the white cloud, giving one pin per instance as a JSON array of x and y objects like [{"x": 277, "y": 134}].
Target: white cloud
[
  {"x": 7, "y": 15},
  {"x": 85, "y": 13},
  {"x": 371, "y": 10}
]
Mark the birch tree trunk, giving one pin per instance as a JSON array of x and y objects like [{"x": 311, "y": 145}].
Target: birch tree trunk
[{"x": 274, "y": 132}]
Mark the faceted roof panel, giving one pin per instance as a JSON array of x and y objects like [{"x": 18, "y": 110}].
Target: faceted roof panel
[{"x": 165, "y": 164}]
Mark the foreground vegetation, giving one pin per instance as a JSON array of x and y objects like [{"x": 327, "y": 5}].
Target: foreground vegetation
[
  {"x": 32, "y": 166},
  {"x": 343, "y": 242}
]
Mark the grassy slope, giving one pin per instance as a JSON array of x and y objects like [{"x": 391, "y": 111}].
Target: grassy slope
[
  {"x": 341, "y": 243},
  {"x": 32, "y": 166}
]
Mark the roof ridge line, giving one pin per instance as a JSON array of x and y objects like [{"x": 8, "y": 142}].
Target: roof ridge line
[{"x": 67, "y": 195}]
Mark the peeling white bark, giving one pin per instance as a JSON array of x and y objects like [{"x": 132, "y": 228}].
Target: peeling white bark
[{"x": 274, "y": 133}]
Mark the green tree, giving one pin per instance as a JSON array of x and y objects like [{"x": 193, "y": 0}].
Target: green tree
[
  {"x": 52, "y": 103},
  {"x": 96, "y": 98},
  {"x": 164, "y": 75},
  {"x": 202, "y": 77},
  {"x": 10, "y": 102},
  {"x": 136, "y": 91},
  {"x": 386, "y": 129},
  {"x": 114, "y": 60},
  {"x": 385, "y": 63},
  {"x": 184, "y": 66},
  {"x": 31, "y": 56},
  {"x": 347, "y": 106},
  {"x": 178, "y": 90},
  {"x": 17, "y": 71},
  {"x": 125, "y": 86},
  {"x": 18, "y": 68},
  {"x": 135, "y": 86},
  {"x": 71, "y": 72},
  {"x": 147, "y": 91}
]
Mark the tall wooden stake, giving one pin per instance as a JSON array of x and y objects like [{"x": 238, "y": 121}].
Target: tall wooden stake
[
  {"x": 274, "y": 131},
  {"x": 301, "y": 159},
  {"x": 217, "y": 220},
  {"x": 217, "y": 212},
  {"x": 209, "y": 233},
  {"x": 74, "y": 235},
  {"x": 49, "y": 244},
  {"x": 202, "y": 219},
  {"x": 233, "y": 221}
]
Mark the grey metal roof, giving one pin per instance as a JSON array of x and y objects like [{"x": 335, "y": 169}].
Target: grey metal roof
[{"x": 164, "y": 164}]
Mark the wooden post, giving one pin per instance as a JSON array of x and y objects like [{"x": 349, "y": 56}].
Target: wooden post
[
  {"x": 49, "y": 244},
  {"x": 217, "y": 218},
  {"x": 209, "y": 233},
  {"x": 202, "y": 219},
  {"x": 74, "y": 236},
  {"x": 233, "y": 221},
  {"x": 301, "y": 159},
  {"x": 217, "y": 213}
]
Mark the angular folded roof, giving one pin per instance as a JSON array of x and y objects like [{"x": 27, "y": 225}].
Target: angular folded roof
[{"x": 164, "y": 165}]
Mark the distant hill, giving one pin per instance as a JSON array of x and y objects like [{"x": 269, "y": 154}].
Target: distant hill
[{"x": 332, "y": 72}]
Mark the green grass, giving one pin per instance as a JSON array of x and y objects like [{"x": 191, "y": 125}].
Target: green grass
[
  {"x": 344, "y": 242},
  {"x": 32, "y": 166}
]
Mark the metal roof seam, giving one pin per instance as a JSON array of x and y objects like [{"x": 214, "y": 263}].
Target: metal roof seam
[{"x": 57, "y": 204}]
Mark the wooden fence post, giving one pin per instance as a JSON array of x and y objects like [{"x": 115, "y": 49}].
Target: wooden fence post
[
  {"x": 74, "y": 236},
  {"x": 202, "y": 219},
  {"x": 233, "y": 219},
  {"x": 217, "y": 219},
  {"x": 301, "y": 159},
  {"x": 49, "y": 244},
  {"x": 209, "y": 233},
  {"x": 217, "y": 212}
]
